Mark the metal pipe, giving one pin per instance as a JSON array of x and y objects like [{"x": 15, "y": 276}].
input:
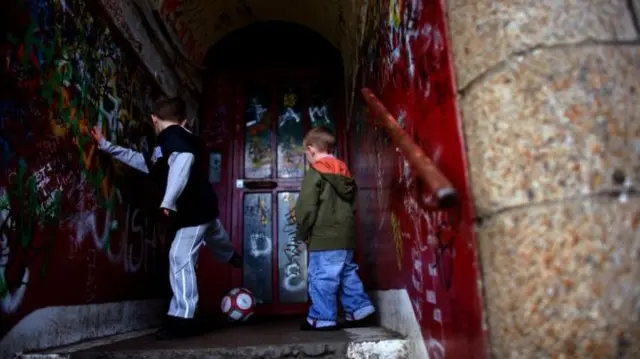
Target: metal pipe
[{"x": 425, "y": 170}]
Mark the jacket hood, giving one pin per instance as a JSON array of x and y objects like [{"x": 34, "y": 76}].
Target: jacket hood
[{"x": 337, "y": 174}]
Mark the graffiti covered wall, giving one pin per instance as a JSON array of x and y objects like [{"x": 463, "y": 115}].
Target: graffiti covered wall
[
  {"x": 431, "y": 254},
  {"x": 73, "y": 230}
]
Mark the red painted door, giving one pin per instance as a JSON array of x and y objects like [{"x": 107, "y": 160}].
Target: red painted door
[{"x": 274, "y": 109}]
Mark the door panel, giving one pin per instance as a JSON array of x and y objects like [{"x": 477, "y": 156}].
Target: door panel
[
  {"x": 292, "y": 260},
  {"x": 258, "y": 126},
  {"x": 258, "y": 246},
  {"x": 290, "y": 131}
]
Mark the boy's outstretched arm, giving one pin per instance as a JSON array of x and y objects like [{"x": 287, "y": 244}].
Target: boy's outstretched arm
[
  {"x": 179, "y": 170},
  {"x": 127, "y": 156},
  {"x": 307, "y": 205}
]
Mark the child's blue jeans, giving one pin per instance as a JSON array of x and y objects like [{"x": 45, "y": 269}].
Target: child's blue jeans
[{"x": 332, "y": 275}]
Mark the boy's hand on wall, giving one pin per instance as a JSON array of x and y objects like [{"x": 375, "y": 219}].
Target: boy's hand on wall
[
  {"x": 166, "y": 212},
  {"x": 96, "y": 134}
]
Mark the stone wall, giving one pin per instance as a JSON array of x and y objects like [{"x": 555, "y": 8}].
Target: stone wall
[{"x": 549, "y": 98}]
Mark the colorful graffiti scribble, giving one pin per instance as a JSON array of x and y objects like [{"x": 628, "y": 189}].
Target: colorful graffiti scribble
[{"x": 63, "y": 72}]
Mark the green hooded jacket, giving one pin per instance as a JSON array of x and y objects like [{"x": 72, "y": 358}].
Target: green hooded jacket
[{"x": 326, "y": 206}]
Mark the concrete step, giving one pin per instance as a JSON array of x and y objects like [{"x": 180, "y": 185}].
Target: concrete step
[{"x": 267, "y": 340}]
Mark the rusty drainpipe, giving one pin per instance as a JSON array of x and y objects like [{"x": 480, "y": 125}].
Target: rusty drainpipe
[{"x": 445, "y": 195}]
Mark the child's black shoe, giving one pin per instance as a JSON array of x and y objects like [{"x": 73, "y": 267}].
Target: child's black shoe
[
  {"x": 174, "y": 327},
  {"x": 368, "y": 321}
]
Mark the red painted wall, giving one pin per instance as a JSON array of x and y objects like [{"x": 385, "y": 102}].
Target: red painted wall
[
  {"x": 431, "y": 254},
  {"x": 74, "y": 226},
  {"x": 215, "y": 278}
]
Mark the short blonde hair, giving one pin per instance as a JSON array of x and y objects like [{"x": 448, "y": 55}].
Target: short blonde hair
[{"x": 321, "y": 138}]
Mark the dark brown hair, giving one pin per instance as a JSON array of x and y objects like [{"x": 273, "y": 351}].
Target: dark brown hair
[
  {"x": 172, "y": 109},
  {"x": 321, "y": 138}
]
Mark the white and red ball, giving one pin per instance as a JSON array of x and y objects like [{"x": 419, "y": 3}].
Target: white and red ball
[{"x": 239, "y": 304}]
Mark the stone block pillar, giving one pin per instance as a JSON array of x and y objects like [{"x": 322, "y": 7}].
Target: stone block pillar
[{"x": 550, "y": 101}]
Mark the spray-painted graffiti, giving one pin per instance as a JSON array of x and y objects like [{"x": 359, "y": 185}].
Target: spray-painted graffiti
[
  {"x": 24, "y": 210},
  {"x": 64, "y": 207},
  {"x": 260, "y": 245},
  {"x": 293, "y": 259},
  {"x": 397, "y": 239},
  {"x": 319, "y": 116},
  {"x": 382, "y": 175},
  {"x": 258, "y": 138},
  {"x": 429, "y": 239},
  {"x": 137, "y": 244},
  {"x": 413, "y": 47},
  {"x": 293, "y": 272},
  {"x": 257, "y": 220},
  {"x": 290, "y": 156},
  {"x": 445, "y": 251}
]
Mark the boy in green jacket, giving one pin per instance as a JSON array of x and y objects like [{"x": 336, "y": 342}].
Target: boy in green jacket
[{"x": 325, "y": 213}]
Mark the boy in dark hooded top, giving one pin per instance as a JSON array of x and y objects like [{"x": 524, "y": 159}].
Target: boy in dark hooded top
[
  {"x": 189, "y": 202},
  {"x": 325, "y": 214}
]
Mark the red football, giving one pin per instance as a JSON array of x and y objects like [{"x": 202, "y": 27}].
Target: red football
[{"x": 239, "y": 304}]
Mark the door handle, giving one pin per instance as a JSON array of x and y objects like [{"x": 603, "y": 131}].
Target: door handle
[{"x": 256, "y": 184}]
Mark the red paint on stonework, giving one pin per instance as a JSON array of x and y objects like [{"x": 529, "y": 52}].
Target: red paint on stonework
[{"x": 430, "y": 253}]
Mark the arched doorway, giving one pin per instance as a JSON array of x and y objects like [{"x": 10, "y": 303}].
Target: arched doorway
[{"x": 267, "y": 84}]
